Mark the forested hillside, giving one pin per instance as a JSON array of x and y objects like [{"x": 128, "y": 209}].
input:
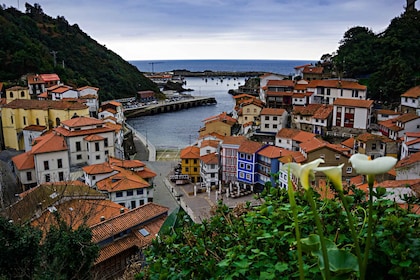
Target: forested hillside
[
  {"x": 29, "y": 41},
  {"x": 387, "y": 62}
]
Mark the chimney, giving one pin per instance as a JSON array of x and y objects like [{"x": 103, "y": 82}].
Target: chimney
[
  {"x": 121, "y": 210},
  {"x": 102, "y": 218}
]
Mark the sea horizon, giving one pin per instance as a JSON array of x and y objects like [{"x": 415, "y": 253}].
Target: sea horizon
[{"x": 278, "y": 66}]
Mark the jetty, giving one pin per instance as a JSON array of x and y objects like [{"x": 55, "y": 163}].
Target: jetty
[{"x": 165, "y": 106}]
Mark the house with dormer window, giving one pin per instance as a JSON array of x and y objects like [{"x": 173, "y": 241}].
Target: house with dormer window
[
  {"x": 247, "y": 158},
  {"x": 89, "y": 140},
  {"x": 47, "y": 161}
]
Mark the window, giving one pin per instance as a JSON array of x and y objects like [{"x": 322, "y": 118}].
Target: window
[
  {"x": 267, "y": 125},
  {"x": 373, "y": 146},
  {"x": 59, "y": 163},
  {"x": 274, "y": 125},
  {"x": 337, "y": 156},
  {"x": 47, "y": 177},
  {"x": 11, "y": 94},
  {"x": 119, "y": 194},
  {"x": 195, "y": 169},
  {"x": 140, "y": 192},
  {"x": 106, "y": 142},
  {"x": 133, "y": 204},
  {"x": 328, "y": 91},
  {"x": 248, "y": 167},
  {"x": 322, "y": 156},
  {"x": 24, "y": 120},
  {"x": 57, "y": 121},
  {"x": 78, "y": 156},
  {"x": 37, "y": 121},
  {"x": 187, "y": 169},
  {"x": 141, "y": 201},
  {"x": 275, "y": 118},
  {"x": 186, "y": 161},
  {"x": 97, "y": 146},
  {"x": 349, "y": 170},
  {"x": 267, "y": 118},
  {"x": 78, "y": 146},
  {"x": 46, "y": 165},
  {"x": 11, "y": 119},
  {"x": 61, "y": 176},
  {"x": 98, "y": 157},
  {"x": 29, "y": 176}
]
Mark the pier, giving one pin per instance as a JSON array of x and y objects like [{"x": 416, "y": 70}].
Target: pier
[{"x": 168, "y": 106}]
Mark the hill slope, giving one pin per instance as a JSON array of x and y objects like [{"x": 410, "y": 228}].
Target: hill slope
[{"x": 29, "y": 40}]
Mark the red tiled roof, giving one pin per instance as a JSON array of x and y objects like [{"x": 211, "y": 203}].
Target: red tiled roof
[
  {"x": 44, "y": 104},
  {"x": 303, "y": 136},
  {"x": 234, "y": 140},
  {"x": 364, "y": 137},
  {"x": 34, "y": 127},
  {"x": 124, "y": 180},
  {"x": 82, "y": 121},
  {"x": 49, "y": 142},
  {"x": 146, "y": 173},
  {"x": 127, "y": 220},
  {"x": 100, "y": 168},
  {"x": 272, "y": 111},
  {"x": 287, "y": 132},
  {"x": 93, "y": 138},
  {"x": 87, "y": 87},
  {"x": 387, "y": 112},
  {"x": 309, "y": 69},
  {"x": 413, "y": 92},
  {"x": 280, "y": 83},
  {"x": 348, "y": 102},
  {"x": 279, "y": 93},
  {"x": 24, "y": 161},
  {"x": 336, "y": 84},
  {"x": 210, "y": 143},
  {"x": 411, "y": 159},
  {"x": 190, "y": 152},
  {"x": 249, "y": 147},
  {"x": 49, "y": 77},
  {"x": 349, "y": 142},
  {"x": 126, "y": 164},
  {"x": 274, "y": 152},
  {"x": 211, "y": 158}
]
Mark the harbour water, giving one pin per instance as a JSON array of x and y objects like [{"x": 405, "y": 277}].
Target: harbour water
[{"x": 176, "y": 130}]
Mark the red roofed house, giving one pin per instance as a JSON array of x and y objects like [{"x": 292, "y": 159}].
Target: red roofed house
[
  {"x": 59, "y": 92},
  {"x": 279, "y": 93},
  {"x": 327, "y": 91},
  {"x": 221, "y": 124},
  {"x": 38, "y": 83},
  {"x": 396, "y": 127},
  {"x": 410, "y": 101},
  {"x": 89, "y": 140},
  {"x": 410, "y": 144},
  {"x": 190, "y": 163},
  {"x": 289, "y": 138},
  {"x": 268, "y": 164},
  {"x": 90, "y": 95},
  {"x": 332, "y": 154},
  {"x": 376, "y": 146},
  {"x": 229, "y": 157},
  {"x": 47, "y": 161},
  {"x": 311, "y": 72},
  {"x": 408, "y": 168},
  {"x": 247, "y": 162},
  {"x": 112, "y": 108},
  {"x": 272, "y": 120},
  {"x": 249, "y": 111},
  {"x": 209, "y": 169},
  {"x": 352, "y": 115},
  {"x": 264, "y": 80},
  {"x": 315, "y": 118}
]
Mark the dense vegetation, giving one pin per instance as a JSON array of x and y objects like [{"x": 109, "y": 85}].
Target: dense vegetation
[
  {"x": 29, "y": 40},
  {"x": 260, "y": 243},
  {"x": 388, "y": 62},
  {"x": 63, "y": 253}
]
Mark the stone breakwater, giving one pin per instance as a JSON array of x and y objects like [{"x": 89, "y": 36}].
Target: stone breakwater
[{"x": 209, "y": 73}]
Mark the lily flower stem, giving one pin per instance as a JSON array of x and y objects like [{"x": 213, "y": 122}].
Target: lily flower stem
[
  {"x": 293, "y": 206},
  {"x": 311, "y": 201},
  {"x": 369, "y": 232},
  {"x": 352, "y": 230}
]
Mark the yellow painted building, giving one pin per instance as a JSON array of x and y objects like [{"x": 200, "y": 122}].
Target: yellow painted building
[
  {"x": 190, "y": 163},
  {"x": 21, "y": 113},
  {"x": 17, "y": 92},
  {"x": 220, "y": 124}
]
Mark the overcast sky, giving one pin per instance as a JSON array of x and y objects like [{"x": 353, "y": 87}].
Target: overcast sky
[{"x": 221, "y": 29}]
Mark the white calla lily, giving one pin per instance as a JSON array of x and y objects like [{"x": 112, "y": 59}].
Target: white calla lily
[
  {"x": 363, "y": 165},
  {"x": 334, "y": 174},
  {"x": 303, "y": 172}
]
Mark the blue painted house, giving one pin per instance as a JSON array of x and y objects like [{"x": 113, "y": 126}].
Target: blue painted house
[{"x": 247, "y": 159}]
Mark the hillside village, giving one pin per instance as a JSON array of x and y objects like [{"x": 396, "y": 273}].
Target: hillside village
[{"x": 74, "y": 153}]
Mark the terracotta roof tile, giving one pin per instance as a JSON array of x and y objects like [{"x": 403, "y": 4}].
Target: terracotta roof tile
[
  {"x": 336, "y": 84},
  {"x": 211, "y": 158},
  {"x": 93, "y": 138},
  {"x": 100, "y": 168},
  {"x": 413, "y": 92},
  {"x": 49, "y": 142},
  {"x": 44, "y": 104},
  {"x": 411, "y": 159},
  {"x": 35, "y": 127},
  {"x": 273, "y": 152},
  {"x": 82, "y": 121},
  {"x": 313, "y": 70},
  {"x": 126, "y": 164},
  {"x": 234, "y": 140},
  {"x": 287, "y": 132},
  {"x": 250, "y": 147},
  {"x": 146, "y": 173},
  {"x": 348, "y": 102},
  {"x": 272, "y": 111},
  {"x": 124, "y": 180},
  {"x": 24, "y": 161},
  {"x": 303, "y": 136},
  {"x": 127, "y": 220},
  {"x": 348, "y": 142},
  {"x": 210, "y": 143},
  {"x": 190, "y": 152},
  {"x": 280, "y": 83}
]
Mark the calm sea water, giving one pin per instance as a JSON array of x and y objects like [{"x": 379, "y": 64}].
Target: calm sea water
[{"x": 180, "y": 129}]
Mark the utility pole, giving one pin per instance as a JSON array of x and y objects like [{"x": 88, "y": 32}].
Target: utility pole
[{"x": 54, "y": 53}]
